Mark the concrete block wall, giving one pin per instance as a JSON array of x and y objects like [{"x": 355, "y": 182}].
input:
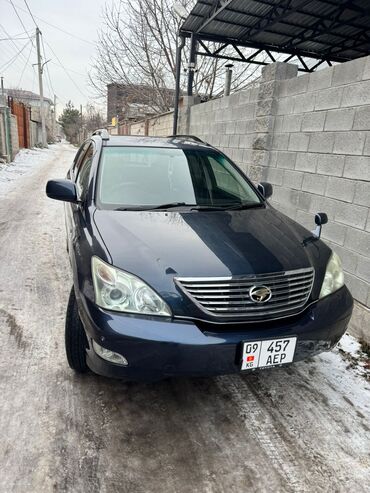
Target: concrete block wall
[
  {"x": 227, "y": 123},
  {"x": 162, "y": 125},
  {"x": 138, "y": 128},
  {"x": 319, "y": 160},
  {"x": 3, "y": 144},
  {"x": 14, "y": 136}
]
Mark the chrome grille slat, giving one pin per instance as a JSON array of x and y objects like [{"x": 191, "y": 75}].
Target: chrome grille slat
[
  {"x": 245, "y": 296},
  {"x": 249, "y": 282},
  {"x": 242, "y": 303},
  {"x": 230, "y": 295},
  {"x": 245, "y": 289}
]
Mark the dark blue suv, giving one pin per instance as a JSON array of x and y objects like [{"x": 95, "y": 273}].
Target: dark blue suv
[{"x": 182, "y": 267}]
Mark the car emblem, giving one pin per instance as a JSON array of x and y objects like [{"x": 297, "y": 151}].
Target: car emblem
[{"x": 260, "y": 294}]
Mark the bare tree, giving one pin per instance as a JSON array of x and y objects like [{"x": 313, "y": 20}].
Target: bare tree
[
  {"x": 92, "y": 118},
  {"x": 137, "y": 47}
]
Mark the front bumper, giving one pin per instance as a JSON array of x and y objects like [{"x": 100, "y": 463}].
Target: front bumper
[{"x": 157, "y": 348}]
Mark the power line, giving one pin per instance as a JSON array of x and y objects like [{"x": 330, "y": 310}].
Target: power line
[
  {"x": 65, "y": 70},
  {"x": 69, "y": 69},
  {"x": 24, "y": 67},
  {"x": 11, "y": 61},
  {"x": 20, "y": 20},
  {"x": 47, "y": 69},
  {"x": 54, "y": 26},
  {"x": 29, "y": 10},
  {"x": 7, "y": 34},
  {"x": 15, "y": 39}
]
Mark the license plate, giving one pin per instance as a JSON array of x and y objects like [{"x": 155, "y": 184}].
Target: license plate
[{"x": 272, "y": 352}]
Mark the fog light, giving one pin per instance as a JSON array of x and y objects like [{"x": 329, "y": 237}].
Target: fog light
[{"x": 109, "y": 355}]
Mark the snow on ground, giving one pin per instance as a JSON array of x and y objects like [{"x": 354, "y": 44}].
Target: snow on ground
[
  {"x": 24, "y": 163},
  {"x": 351, "y": 351}
]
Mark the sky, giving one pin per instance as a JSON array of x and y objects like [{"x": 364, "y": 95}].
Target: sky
[{"x": 74, "y": 51}]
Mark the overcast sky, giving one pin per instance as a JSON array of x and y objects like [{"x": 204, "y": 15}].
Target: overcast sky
[{"x": 81, "y": 18}]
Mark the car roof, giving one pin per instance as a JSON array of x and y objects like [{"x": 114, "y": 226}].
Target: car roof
[{"x": 178, "y": 142}]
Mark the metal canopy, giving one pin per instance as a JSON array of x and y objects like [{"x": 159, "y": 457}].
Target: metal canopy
[{"x": 325, "y": 30}]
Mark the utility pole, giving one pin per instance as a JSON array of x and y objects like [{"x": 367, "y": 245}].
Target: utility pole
[
  {"x": 41, "y": 89},
  {"x": 55, "y": 118},
  {"x": 81, "y": 129}
]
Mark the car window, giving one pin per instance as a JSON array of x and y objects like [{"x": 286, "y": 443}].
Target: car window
[
  {"x": 79, "y": 157},
  {"x": 224, "y": 178},
  {"x": 82, "y": 180},
  {"x": 148, "y": 176}
]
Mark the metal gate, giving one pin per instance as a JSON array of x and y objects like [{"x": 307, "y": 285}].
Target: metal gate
[{"x": 23, "y": 115}]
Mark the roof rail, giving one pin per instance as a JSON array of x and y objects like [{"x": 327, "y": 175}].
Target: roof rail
[
  {"x": 103, "y": 132},
  {"x": 184, "y": 136}
]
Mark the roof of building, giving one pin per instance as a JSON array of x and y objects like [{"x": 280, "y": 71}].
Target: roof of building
[
  {"x": 328, "y": 30},
  {"x": 25, "y": 95}
]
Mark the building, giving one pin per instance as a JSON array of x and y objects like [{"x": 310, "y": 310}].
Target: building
[
  {"x": 32, "y": 101},
  {"x": 135, "y": 102}
]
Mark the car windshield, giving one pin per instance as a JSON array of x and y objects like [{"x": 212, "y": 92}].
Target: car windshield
[{"x": 150, "y": 177}]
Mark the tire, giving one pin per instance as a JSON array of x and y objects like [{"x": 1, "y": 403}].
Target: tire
[{"x": 75, "y": 337}]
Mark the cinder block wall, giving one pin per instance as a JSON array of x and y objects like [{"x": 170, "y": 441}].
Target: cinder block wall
[
  {"x": 14, "y": 135},
  {"x": 161, "y": 125},
  {"x": 319, "y": 160},
  {"x": 3, "y": 146},
  {"x": 228, "y": 123}
]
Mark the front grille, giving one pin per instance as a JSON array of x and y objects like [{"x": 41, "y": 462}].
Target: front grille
[{"x": 230, "y": 296}]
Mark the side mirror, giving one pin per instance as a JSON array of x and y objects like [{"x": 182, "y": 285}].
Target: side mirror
[
  {"x": 265, "y": 189},
  {"x": 320, "y": 219},
  {"x": 64, "y": 190}
]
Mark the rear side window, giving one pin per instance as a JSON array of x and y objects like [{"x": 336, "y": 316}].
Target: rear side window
[
  {"x": 82, "y": 181},
  {"x": 79, "y": 157}
]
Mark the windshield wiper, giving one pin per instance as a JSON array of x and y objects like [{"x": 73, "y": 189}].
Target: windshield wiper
[
  {"x": 245, "y": 205},
  {"x": 207, "y": 208},
  {"x": 150, "y": 208}
]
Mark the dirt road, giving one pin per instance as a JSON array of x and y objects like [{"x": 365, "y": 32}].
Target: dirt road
[{"x": 303, "y": 428}]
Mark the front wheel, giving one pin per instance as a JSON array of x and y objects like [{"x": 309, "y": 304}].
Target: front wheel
[{"x": 75, "y": 337}]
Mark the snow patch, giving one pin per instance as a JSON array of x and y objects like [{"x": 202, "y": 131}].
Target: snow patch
[
  {"x": 25, "y": 162},
  {"x": 350, "y": 350}
]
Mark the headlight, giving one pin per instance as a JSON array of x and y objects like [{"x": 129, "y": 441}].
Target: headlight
[
  {"x": 334, "y": 278},
  {"x": 123, "y": 292}
]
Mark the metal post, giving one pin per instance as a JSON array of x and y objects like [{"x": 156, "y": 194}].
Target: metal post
[
  {"x": 179, "y": 48},
  {"x": 41, "y": 89},
  {"x": 228, "y": 77},
  {"x": 192, "y": 61},
  {"x": 2, "y": 90},
  {"x": 81, "y": 133},
  {"x": 55, "y": 118}
]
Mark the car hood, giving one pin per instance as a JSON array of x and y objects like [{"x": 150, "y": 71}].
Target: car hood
[{"x": 159, "y": 245}]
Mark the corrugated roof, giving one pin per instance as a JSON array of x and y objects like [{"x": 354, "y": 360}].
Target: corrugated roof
[{"x": 335, "y": 30}]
